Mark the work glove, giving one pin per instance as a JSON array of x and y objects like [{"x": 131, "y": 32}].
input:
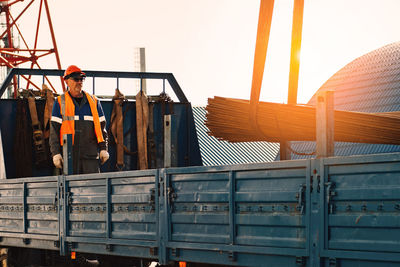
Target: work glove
[
  {"x": 58, "y": 161},
  {"x": 104, "y": 156}
]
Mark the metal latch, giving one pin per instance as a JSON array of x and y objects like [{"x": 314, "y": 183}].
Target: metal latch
[
  {"x": 232, "y": 255},
  {"x": 171, "y": 194},
  {"x": 61, "y": 191},
  {"x": 69, "y": 198},
  {"x": 300, "y": 261},
  {"x": 55, "y": 201},
  {"x": 152, "y": 199},
  {"x": 329, "y": 195},
  {"x": 300, "y": 198}
]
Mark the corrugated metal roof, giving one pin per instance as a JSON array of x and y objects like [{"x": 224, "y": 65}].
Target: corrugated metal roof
[
  {"x": 216, "y": 152},
  {"x": 370, "y": 83}
]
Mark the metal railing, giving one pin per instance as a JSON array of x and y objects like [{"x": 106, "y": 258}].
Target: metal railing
[{"x": 17, "y": 72}]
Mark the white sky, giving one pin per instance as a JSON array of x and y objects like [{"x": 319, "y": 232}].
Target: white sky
[{"x": 209, "y": 44}]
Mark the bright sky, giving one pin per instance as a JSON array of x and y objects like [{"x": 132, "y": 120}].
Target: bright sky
[{"x": 209, "y": 44}]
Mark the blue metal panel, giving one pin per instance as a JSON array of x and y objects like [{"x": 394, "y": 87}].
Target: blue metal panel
[
  {"x": 113, "y": 213},
  {"x": 361, "y": 218},
  {"x": 239, "y": 212},
  {"x": 340, "y": 211},
  {"x": 29, "y": 213}
]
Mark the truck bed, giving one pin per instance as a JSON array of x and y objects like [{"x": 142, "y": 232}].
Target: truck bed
[{"x": 339, "y": 211}]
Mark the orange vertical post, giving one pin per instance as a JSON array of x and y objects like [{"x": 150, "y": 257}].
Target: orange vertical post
[
  {"x": 260, "y": 54},
  {"x": 297, "y": 27}
]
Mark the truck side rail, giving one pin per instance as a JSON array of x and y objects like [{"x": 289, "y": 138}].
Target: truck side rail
[{"x": 339, "y": 211}]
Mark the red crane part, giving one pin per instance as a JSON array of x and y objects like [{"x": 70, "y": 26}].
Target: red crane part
[{"x": 12, "y": 56}]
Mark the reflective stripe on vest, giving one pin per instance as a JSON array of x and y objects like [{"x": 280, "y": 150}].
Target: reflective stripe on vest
[{"x": 67, "y": 108}]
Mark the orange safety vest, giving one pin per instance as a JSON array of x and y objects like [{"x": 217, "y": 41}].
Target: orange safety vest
[{"x": 68, "y": 116}]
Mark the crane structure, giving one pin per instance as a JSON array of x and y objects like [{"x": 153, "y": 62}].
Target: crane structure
[{"x": 11, "y": 54}]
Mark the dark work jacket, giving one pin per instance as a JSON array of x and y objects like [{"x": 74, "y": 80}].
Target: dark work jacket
[{"x": 85, "y": 140}]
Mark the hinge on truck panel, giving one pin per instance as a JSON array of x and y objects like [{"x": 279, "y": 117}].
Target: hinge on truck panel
[
  {"x": 174, "y": 252},
  {"x": 300, "y": 261},
  {"x": 69, "y": 198},
  {"x": 232, "y": 256},
  {"x": 332, "y": 262}
]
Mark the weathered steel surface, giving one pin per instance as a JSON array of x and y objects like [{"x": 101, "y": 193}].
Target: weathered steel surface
[
  {"x": 322, "y": 212},
  {"x": 29, "y": 214}
]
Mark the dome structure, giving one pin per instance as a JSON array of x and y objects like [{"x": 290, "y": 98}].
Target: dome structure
[{"x": 370, "y": 83}]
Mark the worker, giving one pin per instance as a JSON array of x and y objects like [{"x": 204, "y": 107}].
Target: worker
[{"x": 78, "y": 113}]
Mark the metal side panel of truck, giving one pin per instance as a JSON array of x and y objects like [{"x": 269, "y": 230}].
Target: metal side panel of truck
[{"x": 340, "y": 211}]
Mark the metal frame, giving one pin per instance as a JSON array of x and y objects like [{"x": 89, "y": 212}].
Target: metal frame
[{"x": 95, "y": 74}]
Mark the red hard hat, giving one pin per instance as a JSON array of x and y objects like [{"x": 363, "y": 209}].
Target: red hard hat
[{"x": 73, "y": 71}]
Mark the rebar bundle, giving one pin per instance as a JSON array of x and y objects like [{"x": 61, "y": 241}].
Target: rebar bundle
[{"x": 229, "y": 119}]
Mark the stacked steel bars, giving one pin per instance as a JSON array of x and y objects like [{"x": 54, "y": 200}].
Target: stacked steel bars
[{"x": 228, "y": 119}]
